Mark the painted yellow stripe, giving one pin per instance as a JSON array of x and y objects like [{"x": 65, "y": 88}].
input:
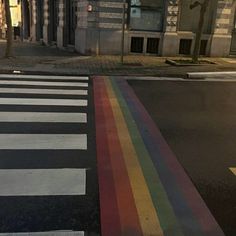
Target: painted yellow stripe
[
  {"x": 233, "y": 170},
  {"x": 147, "y": 214}
]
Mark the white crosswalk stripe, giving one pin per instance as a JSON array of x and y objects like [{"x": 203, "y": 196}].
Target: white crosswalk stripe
[
  {"x": 37, "y": 77},
  {"x": 43, "y": 141},
  {"x": 44, "y": 91},
  {"x": 39, "y": 83},
  {"x": 37, "y": 182},
  {"x": 39, "y": 119},
  {"x": 51, "y": 233},
  {"x": 60, "y": 117},
  {"x": 43, "y": 102}
]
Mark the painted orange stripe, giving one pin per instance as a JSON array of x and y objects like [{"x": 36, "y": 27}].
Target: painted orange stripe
[
  {"x": 147, "y": 214},
  {"x": 129, "y": 220}
]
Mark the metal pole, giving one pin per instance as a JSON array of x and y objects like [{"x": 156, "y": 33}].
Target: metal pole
[
  {"x": 22, "y": 21},
  {"x": 123, "y": 33}
]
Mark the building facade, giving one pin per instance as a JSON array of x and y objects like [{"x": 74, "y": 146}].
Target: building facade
[
  {"x": 20, "y": 14},
  {"x": 156, "y": 27}
]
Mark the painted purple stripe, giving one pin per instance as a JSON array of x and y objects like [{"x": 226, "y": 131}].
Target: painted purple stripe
[{"x": 170, "y": 171}]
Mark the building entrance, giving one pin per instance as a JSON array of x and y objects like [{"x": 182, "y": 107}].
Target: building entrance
[
  {"x": 26, "y": 19},
  {"x": 40, "y": 19},
  {"x": 53, "y": 21},
  {"x": 70, "y": 22}
]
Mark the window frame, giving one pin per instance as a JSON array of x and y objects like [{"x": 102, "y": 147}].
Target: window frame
[{"x": 160, "y": 10}]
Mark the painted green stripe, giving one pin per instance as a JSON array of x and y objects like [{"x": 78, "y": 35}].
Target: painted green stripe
[{"x": 164, "y": 210}]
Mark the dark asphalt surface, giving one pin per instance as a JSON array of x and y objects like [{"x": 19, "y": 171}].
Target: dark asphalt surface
[
  {"x": 198, "y": 121},
  {"x": 47, "y": 213}
]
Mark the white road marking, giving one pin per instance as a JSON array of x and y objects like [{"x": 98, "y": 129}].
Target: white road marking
[
  {"x": 39, "y": 83},
  {"x": 53, "y": 77},
  {"x": 43, "y": 101},
  {"x": 154, "y": 78},
  {"x": 50, "y": 233},
  {"x": 44, "y": 91},
  {"x": 42, "y": 182},
  {"x": 211, "y": 74},
  {"x": 233, "y": 170},
  {"x": 43, "y": 117},
  {"x": 43, "y": 141},
  {"x": 231, "y": 80}
]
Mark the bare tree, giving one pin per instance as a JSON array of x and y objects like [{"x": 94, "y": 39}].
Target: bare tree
[
  {"x": 8, "y": 52},
  {"x": 203, "y": 7}
]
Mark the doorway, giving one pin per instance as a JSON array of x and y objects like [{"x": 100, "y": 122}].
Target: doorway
[
  {"x": 25, "y": 19},
  {"x": 53, "y": 19},
  {"x": 40, "y": 19},
  {"x": 70, "y": 22}
]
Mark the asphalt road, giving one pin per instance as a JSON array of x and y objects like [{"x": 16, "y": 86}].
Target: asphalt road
[
  {"x": 198, "y": 120},
  {"x": 48, "y": 175}
]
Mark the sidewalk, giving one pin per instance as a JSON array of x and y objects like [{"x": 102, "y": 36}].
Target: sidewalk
[{"x": 32, "y": 57}]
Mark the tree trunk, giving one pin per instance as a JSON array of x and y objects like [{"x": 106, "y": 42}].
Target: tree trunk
[
  {"x": 199, "y": 32},
  {"x": 8, "y": 52}
]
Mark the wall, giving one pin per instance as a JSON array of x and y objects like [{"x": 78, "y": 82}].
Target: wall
[{"x": 222, "y": 34}]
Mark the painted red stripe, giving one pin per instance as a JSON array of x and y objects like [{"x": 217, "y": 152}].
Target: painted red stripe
[
  {"x": 110, "y": 221},
  {"x": 128, "y": 212}
]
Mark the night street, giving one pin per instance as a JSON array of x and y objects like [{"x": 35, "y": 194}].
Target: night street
[
  {"x": 117, "y": 118},
  {"x": 198, "y": 120},
  {"x": 82, "y": 156}
]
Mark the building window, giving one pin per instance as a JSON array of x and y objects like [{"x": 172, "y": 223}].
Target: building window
[
  {"x": 203, "y": 47},
  {"x": 146, "y": 15},
  {"x": 152, "y": 45},
  {"x": 137, "y": 44},
  {"x": 185, "y": 46}
]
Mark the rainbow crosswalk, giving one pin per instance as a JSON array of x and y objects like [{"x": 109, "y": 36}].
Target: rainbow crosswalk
[{"x": 143, "y": 188}]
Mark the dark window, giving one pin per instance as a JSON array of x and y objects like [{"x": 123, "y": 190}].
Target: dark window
[
  {"x": 152, "y": 45},
  {"x": 203, "y": 47},
  {"x": 137, "y": 44},
  {"x": 185, "y": 46}
]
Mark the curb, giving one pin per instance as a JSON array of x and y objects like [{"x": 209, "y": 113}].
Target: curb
[
  {"x": 175, "y": 63},
  {"x": 201, "y": 75}
]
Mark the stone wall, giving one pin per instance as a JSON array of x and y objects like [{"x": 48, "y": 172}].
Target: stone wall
[
  {"x": 222, "y": 32},
  {"x": 170, "y": 44},
  {"x": 99, "y": 30}
]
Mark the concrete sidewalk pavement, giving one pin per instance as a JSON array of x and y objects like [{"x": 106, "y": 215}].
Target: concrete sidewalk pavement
[{"x": 34, "y": 58}]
